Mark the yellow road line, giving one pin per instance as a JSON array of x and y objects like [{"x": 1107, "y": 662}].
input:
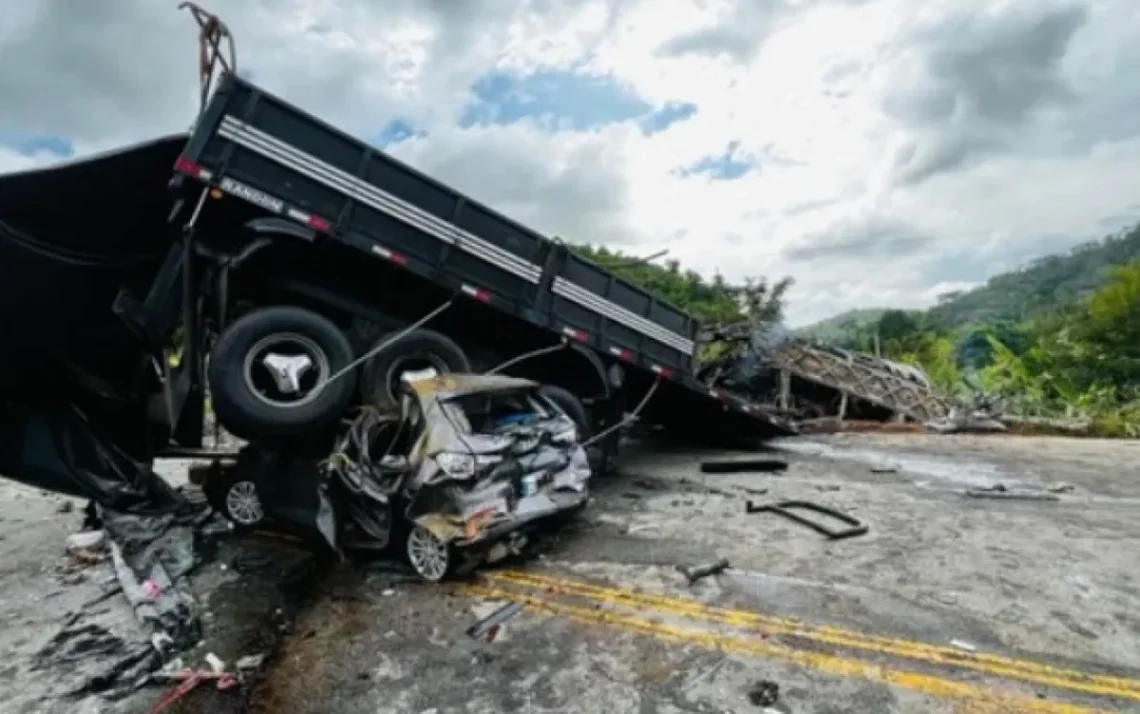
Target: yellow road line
[
  {"x": 995, "y": 665},
  {"x": 976, "y": 699}
]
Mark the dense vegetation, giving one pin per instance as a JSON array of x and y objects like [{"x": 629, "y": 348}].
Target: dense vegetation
[
  {"x": 709, "y": 300},
  {"x": 1060, "y": 337}
]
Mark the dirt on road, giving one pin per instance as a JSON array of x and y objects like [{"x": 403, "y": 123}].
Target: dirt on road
[{"x": 947, "y": 604}]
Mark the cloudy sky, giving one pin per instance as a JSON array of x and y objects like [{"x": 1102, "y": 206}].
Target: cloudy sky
[{"x": 879, "y": 151}]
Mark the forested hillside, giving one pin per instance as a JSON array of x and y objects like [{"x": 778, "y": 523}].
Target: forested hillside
[
  {"x": 1043, "y": 284},
  {"x": 842, "y": 327},
  {"x": 1059, "y": 337}
]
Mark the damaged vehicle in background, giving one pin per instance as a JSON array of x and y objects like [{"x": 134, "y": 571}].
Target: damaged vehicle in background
[{"x": 456, "y": 476}]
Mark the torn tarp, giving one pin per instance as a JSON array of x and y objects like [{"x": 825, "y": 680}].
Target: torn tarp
[
  {"x": 55, "y": 447},
  {"x": 152, "y": 555}
]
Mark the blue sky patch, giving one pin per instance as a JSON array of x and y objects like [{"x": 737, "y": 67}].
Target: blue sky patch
[
  {"x": 668, "y": 115},
  {"x": 27, "y": 144},
  {"x": 724, "y": 167},
  {"x": 567, "y": 100},
  {"x": 394, "y": 132}
]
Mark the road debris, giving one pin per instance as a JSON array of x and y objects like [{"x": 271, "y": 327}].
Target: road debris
[
  {"x": 699, "y": 572},
  {"x": 783, "y": 508},
  {"x": 488, "y": 627},
  {"x": 963, "y": 645},
  {"x": 706, "y": 674},
  {"x": 764, "y": 693},
  {"x": 999, "y": 491},
  {"x": 1062, "y": 488},
  {"x": 189, "y": 681},
  {"x": 697, "y": 487},
  {"x": 743, "y": 465},
  {"x": 250, "y": 662},
  {"x": 884, "y": 470}
]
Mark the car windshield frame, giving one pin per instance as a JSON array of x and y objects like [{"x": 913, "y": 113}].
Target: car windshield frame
[{"x": 461, "y": 416}]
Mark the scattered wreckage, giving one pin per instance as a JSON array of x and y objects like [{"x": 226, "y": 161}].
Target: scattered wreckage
[
  {"x": 280, "y": 275},
  {"x": 459, "y": 471},
  {"x": 809, "y": 381}
]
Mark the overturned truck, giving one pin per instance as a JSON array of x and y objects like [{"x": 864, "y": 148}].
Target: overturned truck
[{"x": 281, "y": 273}]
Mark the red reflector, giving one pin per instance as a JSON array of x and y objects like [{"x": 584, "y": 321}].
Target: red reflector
[
  {"x": 186, "y": 166},
  {"x": 320, "y": 224},
  {"x": 625, "y": 355},
  {"x": 390, "y": 255},
  {"x": 663, "y": 371},
  {"x": 576, "y": 334},
  {"x": 480, "y": 295}
]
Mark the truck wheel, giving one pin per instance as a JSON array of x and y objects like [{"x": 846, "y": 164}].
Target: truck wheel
[
  {"x": 565, "y": 400},
  {"x": 268, "y": 373},
  {"x": 415, "y": 351}
]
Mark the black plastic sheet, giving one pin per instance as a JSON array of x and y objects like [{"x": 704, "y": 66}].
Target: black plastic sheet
[{"x": 54, "y": 446}]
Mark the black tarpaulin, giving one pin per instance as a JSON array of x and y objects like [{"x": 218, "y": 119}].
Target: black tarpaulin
[{"x": 53, "y": 446}]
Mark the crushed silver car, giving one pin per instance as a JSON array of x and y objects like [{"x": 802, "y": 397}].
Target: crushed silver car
[{"x": 470, "y": 461}]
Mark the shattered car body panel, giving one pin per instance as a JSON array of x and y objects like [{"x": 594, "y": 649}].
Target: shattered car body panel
[
  {"x": 473, "y": 460},
  {"x": 493, "y": 455}
]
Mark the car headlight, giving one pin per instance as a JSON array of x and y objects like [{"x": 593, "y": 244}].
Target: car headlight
[
  {"x": 459, "y": 465},
  {"x": 456, "y": 465}
]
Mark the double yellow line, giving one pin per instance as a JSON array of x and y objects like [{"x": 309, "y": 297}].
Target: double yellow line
[{"x": 756, "y": 624}]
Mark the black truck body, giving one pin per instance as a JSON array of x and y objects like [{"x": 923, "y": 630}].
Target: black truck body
[
  {"x": 382, "y": 242},
  {"x": 111, "y": 260}
]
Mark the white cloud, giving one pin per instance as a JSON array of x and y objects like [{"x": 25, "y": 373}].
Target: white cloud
[{"x": 900, "y": 150}]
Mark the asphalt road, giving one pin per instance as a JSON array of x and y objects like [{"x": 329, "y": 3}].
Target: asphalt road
[{"x": 948, "y": 604}]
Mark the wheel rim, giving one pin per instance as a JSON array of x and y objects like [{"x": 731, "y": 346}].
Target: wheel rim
[
  {"x": 243, "y": 503},
  {"x": 428, "y": 554},
  {"x": 285, "y": 370},
  {"x": 415, "y": 362}
]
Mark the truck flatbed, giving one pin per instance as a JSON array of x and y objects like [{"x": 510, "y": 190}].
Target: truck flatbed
[{"x": 255, "y": 146}]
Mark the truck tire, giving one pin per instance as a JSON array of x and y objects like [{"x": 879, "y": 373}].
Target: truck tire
[
  {"x": 572, "y": 405},
  {"x": 419, "y": 349},
  {"x": 253, "y": 398}
]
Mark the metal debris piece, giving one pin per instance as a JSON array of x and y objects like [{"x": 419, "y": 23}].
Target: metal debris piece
[
  {"x": 1062, "y": 488},
  {"x": 782, "y": 508},
  {"x": 1010, "y": 495},
  {"x": 706, "y": 674},
  {"x": 743, "y": 465},
  {"x": 764, "y": 693},
  {"x": 963, "y": 645},
  {"x": 189, "y": 680},
  {"x": 484, "y": 628},
  {"x": 703, "y": 571},
  {"x": 884, "y": 470}
]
